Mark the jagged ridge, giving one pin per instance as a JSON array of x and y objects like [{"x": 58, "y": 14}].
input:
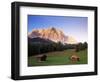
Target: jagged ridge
[{"x": 52, "y": 34}]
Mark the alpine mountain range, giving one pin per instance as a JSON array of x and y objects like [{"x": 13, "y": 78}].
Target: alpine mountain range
[{"x": 53, "y": 34}]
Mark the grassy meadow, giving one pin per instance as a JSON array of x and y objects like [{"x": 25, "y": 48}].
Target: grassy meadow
[{"x": 60, "y": 58}]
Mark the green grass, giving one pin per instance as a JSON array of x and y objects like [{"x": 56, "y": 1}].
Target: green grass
[{"x": 59, "y": 58}]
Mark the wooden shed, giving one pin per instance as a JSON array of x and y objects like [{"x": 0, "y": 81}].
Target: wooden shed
[{"x": 41, "y": 58}]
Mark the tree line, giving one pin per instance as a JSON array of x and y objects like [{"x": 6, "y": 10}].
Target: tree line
[{"x": 39, "y": 48}]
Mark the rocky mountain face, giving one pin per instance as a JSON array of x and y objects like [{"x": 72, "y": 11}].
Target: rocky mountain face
[{"x": 52, "y": 34}]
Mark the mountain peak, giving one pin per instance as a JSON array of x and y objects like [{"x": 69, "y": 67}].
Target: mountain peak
[
  {"x": 52, "y": 34},
  {"x": 53, "y": 28}
]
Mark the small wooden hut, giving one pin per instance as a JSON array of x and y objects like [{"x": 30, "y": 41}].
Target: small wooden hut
[
  {"x": 41, "y": 58},
  {"x": 75, "y": 58}
]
